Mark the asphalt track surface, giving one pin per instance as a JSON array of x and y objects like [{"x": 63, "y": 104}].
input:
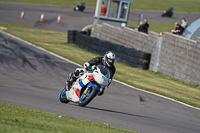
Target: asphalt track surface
[
  {"x": 70, "y": 20},
  {"x": 34, "y": 78}
]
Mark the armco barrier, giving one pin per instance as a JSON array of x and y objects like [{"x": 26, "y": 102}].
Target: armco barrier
[{"x": 129, "y": 56}]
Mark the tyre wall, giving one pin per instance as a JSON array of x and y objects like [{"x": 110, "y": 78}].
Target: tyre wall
[
  {"x": 128, "y": 37},
  {"x": 179, "y": 57},
  {"x": 129, "y": 56}
]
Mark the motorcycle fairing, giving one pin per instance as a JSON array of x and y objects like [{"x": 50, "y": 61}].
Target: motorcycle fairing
[
  {"x": 74, "y": 93},
  {"x": 92, "y": 84}
]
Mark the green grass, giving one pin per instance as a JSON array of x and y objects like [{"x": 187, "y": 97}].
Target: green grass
[
  {"x": 146, "y": 80},
  {"x": 156, "y": 26},
  {"x": 16, "y": 119},
  {"x": 179, "y": 5}
]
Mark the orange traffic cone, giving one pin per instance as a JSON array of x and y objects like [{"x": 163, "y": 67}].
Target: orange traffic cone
[
  {"x": 42, "y": 17},
  {"x": 59, "y": 18},
  {"x": 22, "y": 15}
]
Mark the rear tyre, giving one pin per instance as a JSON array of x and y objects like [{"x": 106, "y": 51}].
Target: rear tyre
[
  {"x": 87, "y": 96},
  {"x": 63, "y": 97}
]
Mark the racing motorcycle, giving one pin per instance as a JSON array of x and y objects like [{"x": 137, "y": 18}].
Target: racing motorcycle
[
  {"x": 87, "y": 86},
  {"x": 168, "y": 12},
  {"x": 80, "y": 7}
]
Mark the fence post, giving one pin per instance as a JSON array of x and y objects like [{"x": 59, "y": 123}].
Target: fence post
[{"x": 157, "y": 54}]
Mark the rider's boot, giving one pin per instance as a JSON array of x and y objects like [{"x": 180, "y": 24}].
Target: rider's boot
[
  {"x": 101, "y": 91},
  {"x": 71, "y": 78}
]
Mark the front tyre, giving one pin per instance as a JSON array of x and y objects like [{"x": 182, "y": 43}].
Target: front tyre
[
  {"x": 63, "y": 97},
  {"x": 87, "y": 96}
]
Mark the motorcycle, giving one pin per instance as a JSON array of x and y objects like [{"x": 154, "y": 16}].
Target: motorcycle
[
  {"x": 80, "y": 7},
  {"x": 87, "y": 86},
  {"x": 168, "y": 12}
]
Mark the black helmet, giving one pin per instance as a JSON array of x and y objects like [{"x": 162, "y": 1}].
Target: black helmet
[{"x": 109, "y": 58}]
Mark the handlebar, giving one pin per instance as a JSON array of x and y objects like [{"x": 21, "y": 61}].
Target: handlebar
[{"x": 91, "y": 68}]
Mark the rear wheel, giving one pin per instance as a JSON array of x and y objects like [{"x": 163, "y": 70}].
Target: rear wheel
[
  {"x": 87, "y": 96},
  {"x": 63, "y": 97}
]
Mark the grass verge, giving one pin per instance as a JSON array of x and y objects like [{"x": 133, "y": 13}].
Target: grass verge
[
  {"x": 16, "y": 119},
  {"x": 178, "y": 5}
]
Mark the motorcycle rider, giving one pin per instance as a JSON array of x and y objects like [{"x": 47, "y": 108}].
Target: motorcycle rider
[
  {"x": 81, "y": 6},
  {"x": 107, "y": 60}
]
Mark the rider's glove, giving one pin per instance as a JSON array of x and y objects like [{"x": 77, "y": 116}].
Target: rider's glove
[
  {"x": 86, "y": 65},
  {"x": 94, "y": 67}
]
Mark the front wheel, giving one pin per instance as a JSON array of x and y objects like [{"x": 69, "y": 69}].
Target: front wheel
[
  {"x": 87, "y": 96},
  {"x": 76, "y": 8},
  {"x": 63, "y": 97}
]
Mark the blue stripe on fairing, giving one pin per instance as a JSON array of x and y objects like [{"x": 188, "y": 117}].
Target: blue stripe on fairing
[
  {"x": 91, "y": 84},
  {"x": 81, "y": 83}
]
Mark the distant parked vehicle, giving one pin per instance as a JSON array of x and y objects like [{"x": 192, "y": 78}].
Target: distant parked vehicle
[{"x": 168, "y": 12}]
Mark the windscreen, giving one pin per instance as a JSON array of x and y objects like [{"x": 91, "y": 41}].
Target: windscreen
[{"x": 104, "y": 70}]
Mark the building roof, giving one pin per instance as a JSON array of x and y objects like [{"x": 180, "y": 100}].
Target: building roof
[{"x": 124, "y": 0}]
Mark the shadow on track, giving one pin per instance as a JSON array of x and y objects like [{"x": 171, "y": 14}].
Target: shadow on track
[{"x": 118, "y": 112}]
